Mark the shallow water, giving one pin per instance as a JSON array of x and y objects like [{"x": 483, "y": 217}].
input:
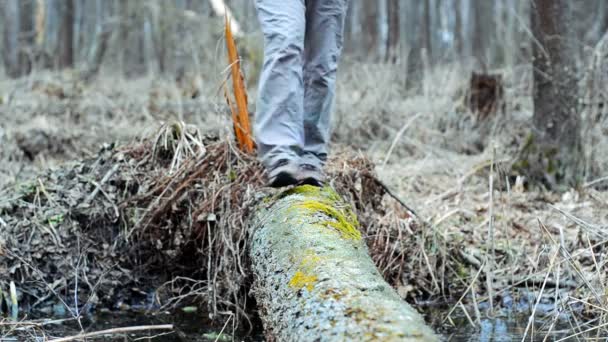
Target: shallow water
[
  {"x": 187, "y": 327},
  {"x": 196, "y": 327},
  {"x": 512, "y": 327},
  {"x": 499, "y": 330}
]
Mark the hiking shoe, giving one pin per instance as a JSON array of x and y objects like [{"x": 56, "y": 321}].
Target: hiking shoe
[
  {"x": 310, "y": 171},
  {"x": 283, "y": 173}
]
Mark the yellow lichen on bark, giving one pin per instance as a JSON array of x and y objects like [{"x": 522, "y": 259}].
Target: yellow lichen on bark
[
  {"x": 345, "y": 225},
  {"x": 304, "y": 276},
  {"x": 302, "y": 280},
  {"x": 326, "y": 201}
]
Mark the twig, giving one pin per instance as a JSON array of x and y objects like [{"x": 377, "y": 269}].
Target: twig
[
  {"x": 394, "y": 196},
  {"x": 595, "y": 181},
  {"x": 464, "y": 294},
  {"x": 540, "y": 295},
  {"x": 583, "y": 332},
  {"x": 569, "y": 258},
  {"x": 98, "y": 186},
  {"x": 222, "y": 331},
  {"x": 114, "y": 331},
  {"x": 490, "y": 264},
  {"x": 35, "y": 323},
  {"x": 398, "y": 136},
  {"x": 591, "y": 227}
]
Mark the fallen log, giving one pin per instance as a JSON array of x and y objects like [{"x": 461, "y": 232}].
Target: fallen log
[{"x": 314, "y": 279}]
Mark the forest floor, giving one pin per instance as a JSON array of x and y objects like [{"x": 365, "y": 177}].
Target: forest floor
[{"x": 99, "y": 198}]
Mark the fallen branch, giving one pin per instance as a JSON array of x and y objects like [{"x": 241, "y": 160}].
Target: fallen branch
[
  {"x": 114, "y": 331},
  {"x": 394, "y": 196},
  {"x": 314, "y": 278},
  {"x": 98, "y": 186}
]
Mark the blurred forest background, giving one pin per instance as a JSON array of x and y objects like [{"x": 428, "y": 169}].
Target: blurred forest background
[
  {"x": 488, "y": 117},
  {"x": 542, "y": 57},
  {"x": 152, "y": 36}
]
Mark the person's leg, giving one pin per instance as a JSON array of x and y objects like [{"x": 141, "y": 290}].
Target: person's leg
[
  {"x": 278, "y": 127},
  {"x": 322, "y": 50}
]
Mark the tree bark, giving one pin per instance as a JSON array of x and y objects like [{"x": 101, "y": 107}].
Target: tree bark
[
  {"x": 66, "y": 35},
  {"x": 394, "y": 31},
  {"x": 10, "y": 46},
  {"x": 26, "y": 36},
  {"x": 383, "y": 30},
  {"x": 314, "y": 279},
  {"x": 370, "y": 35},
  {"x": 427, "y": 31},
  {"x": 132, "y": 59},
  {"x": 553, "y": 152},
  {"x": 458, "y": 36},
  {"x": 483, "y": 34}
]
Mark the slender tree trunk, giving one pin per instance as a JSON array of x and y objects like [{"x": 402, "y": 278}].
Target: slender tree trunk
[
  {"x": 394, "y": 31},
  {"x": 458, "y": 38},
  {"x": 436, "y": 30},
  {"x": 10, "y": 44},
  {"x": 478, "y": 36},
  {"x": 426, "y": 31},
  {"x": 370, "y": 33},
  {"x": 416, "y": 29},
  {"x": 65, "y": 51},
  {"x": 382, "y": 22},
  {"x": 553, "y": 152},
  {"x": 132, "y": 38},
  {"x": 26, "y": 36},
  {"x": 511, "y": 46}
]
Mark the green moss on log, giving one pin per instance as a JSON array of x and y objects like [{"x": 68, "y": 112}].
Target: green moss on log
[{"x": 314, "y": 279}]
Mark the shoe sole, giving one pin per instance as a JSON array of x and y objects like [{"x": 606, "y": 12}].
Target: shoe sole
[
  {"x": 310, "y": 181},
  {"x": 314, "y": 178},
  {"x": 283, "y": 179}
]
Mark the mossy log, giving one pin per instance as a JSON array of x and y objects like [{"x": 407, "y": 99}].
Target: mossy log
[{"x": 314, "y": 278}]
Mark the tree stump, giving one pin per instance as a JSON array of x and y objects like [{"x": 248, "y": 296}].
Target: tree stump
[{"x": 485, "y": 95}]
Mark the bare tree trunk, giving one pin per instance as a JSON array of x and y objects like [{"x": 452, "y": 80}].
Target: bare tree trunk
[
  {"x": 10, "y": 44},
  {"x": 426, "y": 31},
  {"x": 478, "y": 36},
  {"x": 26, "y": 36},
  {"x": 382, "y": 22},
  {"x": 511, "y": 45},
  {"x": 65, "y": 51},
  {"x": 40, "y": 23},
  {"x": 458, "y": 37},
  {"x": 394, "y": 31},
  {"x": 370, "y": 34},
  {"x": 553, "y": 153},
  {"x": 132, "y": 38},
  {"x": 416, "y": 28},
  {"x": 160, "y": 35},
  {"x": 355, "y": 26},
  {"x": 436, "y": 29}
]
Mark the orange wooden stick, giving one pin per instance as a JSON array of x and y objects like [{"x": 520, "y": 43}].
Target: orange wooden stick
[{"x": 241, "y": 125}]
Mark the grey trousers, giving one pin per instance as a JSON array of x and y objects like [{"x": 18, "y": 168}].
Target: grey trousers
[{"x": 302, "y": 46}]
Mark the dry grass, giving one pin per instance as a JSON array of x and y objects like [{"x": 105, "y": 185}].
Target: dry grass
[
  {"x": 549, "y": 248},
  {"x": 546, "y": 244}
]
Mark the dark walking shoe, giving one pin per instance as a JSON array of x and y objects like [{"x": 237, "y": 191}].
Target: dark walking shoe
[
  {"x": 310, "y": 170},
  {"x": 283, "y": 173},
  {"x": 311, "y": 175}
]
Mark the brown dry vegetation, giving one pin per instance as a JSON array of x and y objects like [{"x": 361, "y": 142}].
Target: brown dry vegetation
[{"x": 172, "y": 202}]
